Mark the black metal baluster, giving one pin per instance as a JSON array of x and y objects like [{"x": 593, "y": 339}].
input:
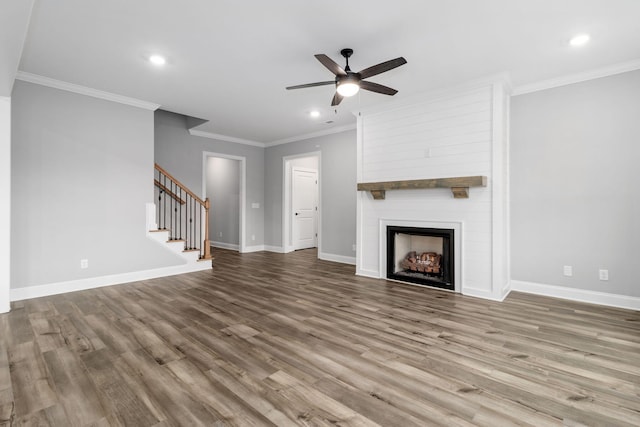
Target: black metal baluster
[
  {"x": 186, "y": 223},
  {"x": 159, "y": 202},
  {"x": 193, "y": 225},
  {"x": 200, "y": 229},
  {"x": 173, "y": 208},
  {"x": 164, "y": 207}
]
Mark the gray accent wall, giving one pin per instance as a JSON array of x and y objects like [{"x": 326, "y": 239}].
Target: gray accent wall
[
  {"x": 81, "y": 174},
  {"x": 223, "y": 185},
  {"x": 338, "y": 190},
  {"x": 181, "y": 154},
  {"x": 575, "y": 199}
]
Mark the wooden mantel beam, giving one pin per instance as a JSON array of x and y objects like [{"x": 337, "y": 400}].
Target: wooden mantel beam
[{"x": 459, "y": 185}]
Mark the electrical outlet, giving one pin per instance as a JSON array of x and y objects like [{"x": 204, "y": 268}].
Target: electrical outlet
[
  {"x": 603, "y": 274},
  {"x": 353, "y": 247},
  {"x": 568, "y": 270},
  {"x": 84, "y": 263},
  {"x": 255, "y": 205},
  {"x": 253, "y": 237},
  {"x": 220, "y": 234}
]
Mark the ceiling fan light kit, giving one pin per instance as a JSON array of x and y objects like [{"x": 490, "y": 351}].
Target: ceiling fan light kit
[
  {"x": 348, "y": 88},
  {"x": 347, "y": 82}
]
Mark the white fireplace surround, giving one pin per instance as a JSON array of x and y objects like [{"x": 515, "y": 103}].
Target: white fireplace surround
[
  {"x": 459, "y": 132},
  {"x": 456, "y": 226}
]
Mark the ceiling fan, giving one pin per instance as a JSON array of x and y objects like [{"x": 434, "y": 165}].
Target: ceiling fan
[{"x": 347, "y": 82}]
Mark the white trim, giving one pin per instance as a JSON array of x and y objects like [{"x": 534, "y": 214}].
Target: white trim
[
  {"x": 243, "y": 190},
  {"x": 577, "y": 78},
  {"x": 581, "y": 295},
  {"x": 500, "y": 233},
  {"x": 368, "y": 273},
  {"x": 18, "y": 294},
  {"x": 264, "y": 248},
  {"x": 286, "y": 199},
  {"x": 224, "y": 245},
  {"x": 83, "y": 90},
  {"x": 219, "y": 137},
  {"x": 484, "y": 294},
  {"x": 5, "y": 204},
  {"x": 305, "y": 136},
  {"x": 337, "y": 258}
]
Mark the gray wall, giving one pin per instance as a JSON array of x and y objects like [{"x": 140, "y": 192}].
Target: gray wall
[
  {"x": 82, "y": 171},
  {"x": 338, "y": 190},
  {"x": 223, "y": 185},
  {"x": 575, "y": 199},
  {"x": 181, "y": 155}
]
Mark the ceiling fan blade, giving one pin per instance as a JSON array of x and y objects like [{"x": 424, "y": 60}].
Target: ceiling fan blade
[
  {"x": 337, "y": 99},
  {"x": 330, "y": 64},
  {"x": 378, "y": 88},
  {"x": 382, "y": 67},
  {"x": 332, "y": 82}
]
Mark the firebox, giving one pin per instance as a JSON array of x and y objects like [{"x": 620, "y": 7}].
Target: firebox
[{"x": 421, "y": 255}]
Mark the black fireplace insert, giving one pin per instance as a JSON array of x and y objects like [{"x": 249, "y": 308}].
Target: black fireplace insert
[{"x": 422, "y": 256}]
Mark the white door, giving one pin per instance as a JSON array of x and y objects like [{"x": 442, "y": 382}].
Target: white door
[{"x": 304, "y": 204}]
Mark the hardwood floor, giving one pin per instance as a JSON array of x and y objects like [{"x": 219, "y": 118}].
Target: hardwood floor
[{"x": 272, "y": 339}]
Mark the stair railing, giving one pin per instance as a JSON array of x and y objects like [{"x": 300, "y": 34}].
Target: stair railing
[{"x": 181, "y": 212}]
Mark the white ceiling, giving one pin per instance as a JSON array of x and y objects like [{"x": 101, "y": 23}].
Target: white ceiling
[{"x": 230, "y": 61}]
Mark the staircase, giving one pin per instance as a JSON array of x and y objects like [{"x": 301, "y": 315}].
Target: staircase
[{"x": 180, "y": 220}]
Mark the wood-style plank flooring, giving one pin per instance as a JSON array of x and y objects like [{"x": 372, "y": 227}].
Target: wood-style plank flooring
[{"x": 273, "y": 339}]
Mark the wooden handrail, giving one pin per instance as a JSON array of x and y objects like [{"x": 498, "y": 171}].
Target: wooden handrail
[
  {"x": 169, "y": 193},
  {"x": 205, "y": 252},
  {"x": 179, "y": 184}
]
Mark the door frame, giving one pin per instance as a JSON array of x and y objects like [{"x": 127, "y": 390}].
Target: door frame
[
  {"x": 243, "y": 190},
  {"x": 287, "y": 211},
  {"x": 316, "y": 196}
]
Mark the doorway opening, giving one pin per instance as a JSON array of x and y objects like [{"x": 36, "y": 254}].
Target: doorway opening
[
  {"x": 301, "y": 210},
  {"x": 223, "y": 183}
]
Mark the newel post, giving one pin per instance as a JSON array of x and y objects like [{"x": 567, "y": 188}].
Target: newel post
[{"x": 207, "y": 246}]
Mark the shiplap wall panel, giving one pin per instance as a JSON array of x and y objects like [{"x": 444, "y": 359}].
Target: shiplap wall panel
[
  {"x": 430, "y": 139},
  {"x": 445, "y": 137}
]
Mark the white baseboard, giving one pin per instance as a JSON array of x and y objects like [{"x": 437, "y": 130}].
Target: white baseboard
[
  {"x": 337, "y": 258},
  {"x": 260, "y": 248},
  {"x": 5, "y": 307},
  {"x": 224, "y": 245},
  {"x": 582, "y": 295},
  {"x": 481, "y": 293},
  {"x": 368, "y": 273},
  {"x": 18, "y": 294}
]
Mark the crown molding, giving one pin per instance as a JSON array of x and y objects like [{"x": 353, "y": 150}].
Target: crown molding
[
  {"x": 577, "y": 78},
  {"x": 305, "y": 136},
  {"x": 226, "y": 138},
  {"x": 83, "y": 90}
]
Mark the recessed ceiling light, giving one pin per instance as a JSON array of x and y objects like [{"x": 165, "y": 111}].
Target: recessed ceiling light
[
  {"x": 579, "y": 40},
  {"x": 157, "y": 60},
  {"x": 314, "y": 113}
]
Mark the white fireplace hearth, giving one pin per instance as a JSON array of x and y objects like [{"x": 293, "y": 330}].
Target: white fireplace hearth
[{"x": 462, "y": 132}]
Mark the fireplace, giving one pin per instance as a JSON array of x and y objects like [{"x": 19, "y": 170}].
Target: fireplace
[{"x": 423, "y": 256}]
